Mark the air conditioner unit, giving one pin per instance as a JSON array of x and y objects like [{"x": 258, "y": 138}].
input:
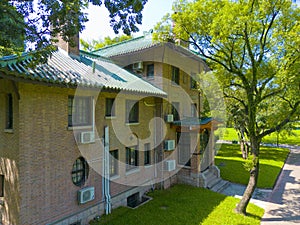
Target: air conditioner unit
[
  {"x": 87, "y": 137},
  {"x": 137, "y": 66},
  {"x": 170, "y": 165},
  {"x": 169, "y": 118},
  {"x": 86, "y": 195},
  {"x": 169, "y": 145}
]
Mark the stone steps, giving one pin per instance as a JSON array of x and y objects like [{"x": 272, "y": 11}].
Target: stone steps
[{"x": 214, "y": 183}]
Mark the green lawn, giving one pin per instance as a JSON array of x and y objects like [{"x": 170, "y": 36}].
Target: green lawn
[
  {"x": 184, "y": 205},
  {"x": 231, "y": 164},
  {"x": 229, "y": 134}
]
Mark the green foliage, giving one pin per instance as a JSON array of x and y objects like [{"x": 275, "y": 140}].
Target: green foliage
[
  {"x": 183, "y": 204},
  {"x": 284, "y": 137},
  {"x": 232, "y": 165},
  {"x": 96, "y": 44},
  {"x": 30, "y": 21}
]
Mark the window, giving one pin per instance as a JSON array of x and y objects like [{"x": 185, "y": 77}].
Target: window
[
  {"x": 132, "y": 111},
  {"x": 80, "y": 171},
  {"x": 150, "y": 70},
  {"x": 194, "y": 112},
  {"x": 175, "y": 75},
  {"x": 175, "y": 111},
  {"x": 9, "y": 112},
  {"x": 113, "y": 162},
  {"x": 131, "y": 157},
  {"x": 79, "y": 111},
  {"x": 194, "y": 84},
  {"x": 147, "y": 154},
  {"x": 183, "y": 140},
  {"x": 1, "y": 185},
  {"x": 110, "y": 107}
]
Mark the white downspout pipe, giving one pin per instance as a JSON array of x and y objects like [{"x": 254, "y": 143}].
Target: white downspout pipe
[{"x": 106, "y": 171}]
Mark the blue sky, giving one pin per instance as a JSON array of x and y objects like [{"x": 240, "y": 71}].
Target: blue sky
[{"x": 98, "y": 26}]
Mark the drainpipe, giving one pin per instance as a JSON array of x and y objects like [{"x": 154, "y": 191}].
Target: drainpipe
[{"x": 106, "y": 171}]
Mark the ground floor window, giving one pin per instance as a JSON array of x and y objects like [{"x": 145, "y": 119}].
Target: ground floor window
[
  {"x": 184, "y": 149},
  {"x": 131, "y": 157},
  {"x": 147, "y": 154},
  {"x": 80, "y": 171},
  {"x": 113, "y": 162}
]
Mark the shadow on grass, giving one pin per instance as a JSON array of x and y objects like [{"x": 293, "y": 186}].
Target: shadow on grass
[{"x": 181, "y": 204}]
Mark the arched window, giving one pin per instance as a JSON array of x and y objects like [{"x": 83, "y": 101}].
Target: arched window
[{"x": 80, "y": 171}]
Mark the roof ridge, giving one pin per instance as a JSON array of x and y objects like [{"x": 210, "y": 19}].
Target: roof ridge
[{"x": 119, "y": 43}]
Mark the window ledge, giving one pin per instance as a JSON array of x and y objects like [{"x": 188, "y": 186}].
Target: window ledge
[
  {"x": 129, "y": 172},
  {"x": 80, "y": 127},
  {"x": 9, "y": 131},
  {"x": 132, "y": 124},
  {"x": 148, "y": 166},
  {"x": 110, "y": 117}
]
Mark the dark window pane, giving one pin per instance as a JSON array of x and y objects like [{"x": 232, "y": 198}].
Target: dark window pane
[
  {"x": 110, "y": 107},
  {"x": 175, "y": 75},
  {"x": 131, "y": 157},
  {"x": 175, "y": 111},
  {"x": 113, "y": 162},
  {"x": 132, "y": 111},
  {"x": 9, "y": 112},
  {"x": 147, "y": 154},
  {"x": 150, "y": 70},
  {"x": 1, "y": 185},
  {"x": 79, "y": 171}
]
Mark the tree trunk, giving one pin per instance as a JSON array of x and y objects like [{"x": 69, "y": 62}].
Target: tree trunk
[{"x": 242, "y": 206}]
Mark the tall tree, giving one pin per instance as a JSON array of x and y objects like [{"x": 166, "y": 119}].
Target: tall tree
[
  {"x": 96, "y": 44},
  {"x": 43, "y": 19},
  {"x": 254, "y": 49}
]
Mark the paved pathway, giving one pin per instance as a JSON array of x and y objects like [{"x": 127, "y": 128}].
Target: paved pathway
[{"x": 283, "y": 205}]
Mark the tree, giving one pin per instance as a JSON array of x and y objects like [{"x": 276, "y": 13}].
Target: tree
[
  {"x": 47, "y": 18},
  {"x": 253, "y": 48},
  {"x": 96, "y": 44}
]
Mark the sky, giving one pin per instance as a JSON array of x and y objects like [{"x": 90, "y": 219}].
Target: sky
[{"x": 98, "y": 26}]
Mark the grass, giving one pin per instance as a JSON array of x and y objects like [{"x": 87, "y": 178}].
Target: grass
[
  {"x": 184, "y": 205},
  {"x": 231, "y": 165},
  {"x": 229, "y": 134}
]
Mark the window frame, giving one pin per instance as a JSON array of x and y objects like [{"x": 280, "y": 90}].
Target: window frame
[
  {"x": 147, "y": 154},
  {"x": 194, "y": 110},
  {"x": 176, "y": 110},
  {"x": 110, "y": 109},
  {"x": 175, "y": 75},
  {"x": 80, "y": 171},
  {"x": 132, "y": 157},
  {"x": 193, "y": 82},
  {"x": 9, "y": 118},
  {"x": 183, "y": 144},
  {"x": 150, "y": 68},
  {"x": 86, "y": 110},
  {"x": 132, "y": 111},
  {"x": 114, "y": 162}
]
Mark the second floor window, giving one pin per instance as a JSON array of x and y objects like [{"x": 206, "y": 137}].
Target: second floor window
[
  {"x": 132, "y": 111},
  {"x": 110, "y": 107},
  {"x": 150, "y": 70},
  {"x": 79, "y": 111},
  {"x": 175, "y": 75},
  {"x": 147, "y": 154}
]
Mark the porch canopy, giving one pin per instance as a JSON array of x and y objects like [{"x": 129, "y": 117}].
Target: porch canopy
[{"x": 196, "y": 124}]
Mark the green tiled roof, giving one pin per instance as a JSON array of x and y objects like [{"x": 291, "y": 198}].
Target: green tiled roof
[
  {"x": 132, "y": 45},
  {"x": 81, "y": 71}
]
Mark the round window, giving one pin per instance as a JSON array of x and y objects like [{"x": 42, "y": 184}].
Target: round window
[{"x": 80, "y": 171}]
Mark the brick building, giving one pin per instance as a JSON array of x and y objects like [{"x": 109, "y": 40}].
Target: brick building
[{"x": 81, "y": 135}]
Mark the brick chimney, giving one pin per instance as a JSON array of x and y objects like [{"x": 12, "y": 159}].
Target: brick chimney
[{"x": 72, "y": 47}]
